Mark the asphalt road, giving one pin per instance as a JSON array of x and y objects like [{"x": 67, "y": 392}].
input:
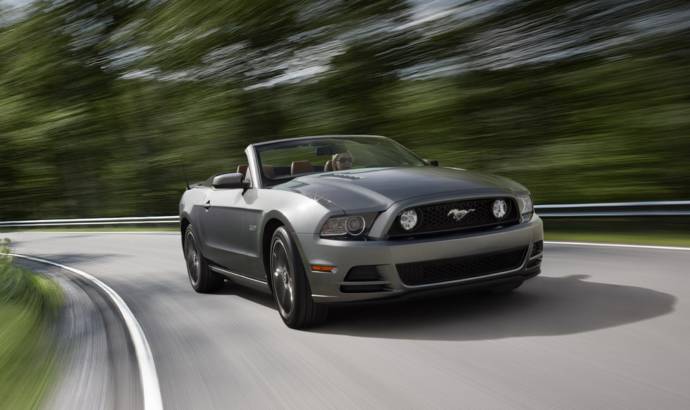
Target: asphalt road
[{"x": 600, "y": 328}]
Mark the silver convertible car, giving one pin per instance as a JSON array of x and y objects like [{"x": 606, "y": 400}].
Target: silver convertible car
[{"x": 333, "y": 219}]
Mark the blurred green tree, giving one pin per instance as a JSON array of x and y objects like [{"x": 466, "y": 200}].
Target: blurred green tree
[{"x": 106, "y": 106}]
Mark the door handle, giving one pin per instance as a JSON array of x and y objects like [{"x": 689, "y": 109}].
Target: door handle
[{"x": 207, "y": 204}]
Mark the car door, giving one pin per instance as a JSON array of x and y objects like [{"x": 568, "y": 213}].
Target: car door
[
  {"x": 222, "y": 225},
  {"x": 251, "y": 246},
  {"x": 229, "y": 226}
]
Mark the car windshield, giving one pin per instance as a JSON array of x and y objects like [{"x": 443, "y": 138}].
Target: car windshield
[{"x": 285, "y": 160}]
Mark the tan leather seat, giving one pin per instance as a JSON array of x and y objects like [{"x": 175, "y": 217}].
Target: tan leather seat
[
  {"x": 328, "y": 167},
  {"x": 242, "y": 169},
  {"x": 268, "y": 170},
  {"x": 301, "y": 167}
]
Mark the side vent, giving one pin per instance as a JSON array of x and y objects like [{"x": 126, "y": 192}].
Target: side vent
[
  {"x": 537, "y": 248},
  {"x": 363, "y": 273},
  {"x": 362, "y": 279}
]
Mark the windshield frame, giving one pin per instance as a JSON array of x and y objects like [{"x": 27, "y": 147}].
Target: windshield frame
[{"x": 268, "y": 182}]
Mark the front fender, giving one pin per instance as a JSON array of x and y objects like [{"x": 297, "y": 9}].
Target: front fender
[{"x": 300, "y": 215}]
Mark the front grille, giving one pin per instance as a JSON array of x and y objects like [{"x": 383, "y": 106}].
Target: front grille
[
  {"x": 438, "y": 218},
  {"x": 464, "y": 267}
]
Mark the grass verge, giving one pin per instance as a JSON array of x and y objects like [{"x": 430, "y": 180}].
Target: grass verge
[
  {"x": 28, "y": 303},
  {"x": 635, "y": 231}
]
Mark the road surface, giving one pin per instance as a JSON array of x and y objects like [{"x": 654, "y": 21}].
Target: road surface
[{"x": 600, "y": 328}]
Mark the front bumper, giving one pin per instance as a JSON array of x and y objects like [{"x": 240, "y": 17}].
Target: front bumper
[{"x": 327, "y": 287}]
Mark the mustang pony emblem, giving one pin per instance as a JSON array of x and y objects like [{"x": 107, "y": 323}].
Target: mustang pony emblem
[{"x": 458, "y": 214}]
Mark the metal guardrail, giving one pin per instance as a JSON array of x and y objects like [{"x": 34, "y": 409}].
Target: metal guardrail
[
  {"x": 615, "y": 209},
  {"x": 587, "y": 210},
  {"x": 136, "y": 220}
]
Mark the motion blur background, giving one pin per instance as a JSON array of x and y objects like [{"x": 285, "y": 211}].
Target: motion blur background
[{"x": 106, "y": 106}]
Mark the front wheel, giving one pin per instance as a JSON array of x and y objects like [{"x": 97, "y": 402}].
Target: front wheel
[
  {"x": 290, "y": 285},
  {"x": 203, "y": 280}
]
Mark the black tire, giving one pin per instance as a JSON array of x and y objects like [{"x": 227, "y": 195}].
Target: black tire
[
  {"x": 290, "y": 286},
  {"x": 203, "y": 280},
  {"x": 506, "y": 288}
]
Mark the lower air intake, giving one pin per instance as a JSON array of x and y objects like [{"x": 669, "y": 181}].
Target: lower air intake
[{"x": 465, "y": 267}]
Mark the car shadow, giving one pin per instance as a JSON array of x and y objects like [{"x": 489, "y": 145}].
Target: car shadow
[
  {"x": 252, "y": 295},
  {"x": 543, "y": 306}
]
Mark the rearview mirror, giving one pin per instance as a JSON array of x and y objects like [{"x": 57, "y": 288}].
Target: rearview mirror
[
  {"x": 431, "y": 162},
  {"x": 234, "y": 180}
]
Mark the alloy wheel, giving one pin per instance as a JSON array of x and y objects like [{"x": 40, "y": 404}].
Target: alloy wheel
[
  {"x": 283, "y": 281},
  {"x": 193, "y": 261}
]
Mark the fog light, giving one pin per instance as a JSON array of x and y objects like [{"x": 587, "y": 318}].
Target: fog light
[
  {"x": 408, "y": 219},
  {"x": 500, "y": 209}
]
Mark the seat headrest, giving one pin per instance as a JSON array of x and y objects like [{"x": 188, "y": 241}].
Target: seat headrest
[
  {"x": 301, "y": 167},
  {"x": 328, "y": 167},
  {"x": 242, "y": 169},
  {"x": 268, "y": 170}
]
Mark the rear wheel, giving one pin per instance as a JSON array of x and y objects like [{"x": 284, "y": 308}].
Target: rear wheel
[
  {"x": 203, "y": 280},
  {"x": 290, "y": 285}
]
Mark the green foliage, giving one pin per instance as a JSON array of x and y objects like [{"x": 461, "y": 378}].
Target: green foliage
[
  {"x": 672, "y": 231},
  {"x": 107, "y": 107},
  {"x": 28, "y": 303}
]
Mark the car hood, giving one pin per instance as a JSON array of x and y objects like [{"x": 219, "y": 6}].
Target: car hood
[{"x": 376, "y": 189}]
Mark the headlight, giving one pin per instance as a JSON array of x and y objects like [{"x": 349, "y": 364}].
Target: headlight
[
  {"x": 408, "y": 219},
  {"x": 526, "y": 207},
  {"x": 354, "y": 225}
]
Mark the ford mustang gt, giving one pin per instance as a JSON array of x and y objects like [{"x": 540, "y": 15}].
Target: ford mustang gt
[{"x": 333, "y": 219}]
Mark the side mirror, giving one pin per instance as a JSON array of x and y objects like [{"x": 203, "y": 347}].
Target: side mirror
[
  {"x": 431, "y": 162},
  {"x": 234, "y": 180}
]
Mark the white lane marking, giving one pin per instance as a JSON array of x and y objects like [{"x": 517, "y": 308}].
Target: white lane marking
[
  {"x": 619, "y": 245},
  {"x": 147, "y": 368}
]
